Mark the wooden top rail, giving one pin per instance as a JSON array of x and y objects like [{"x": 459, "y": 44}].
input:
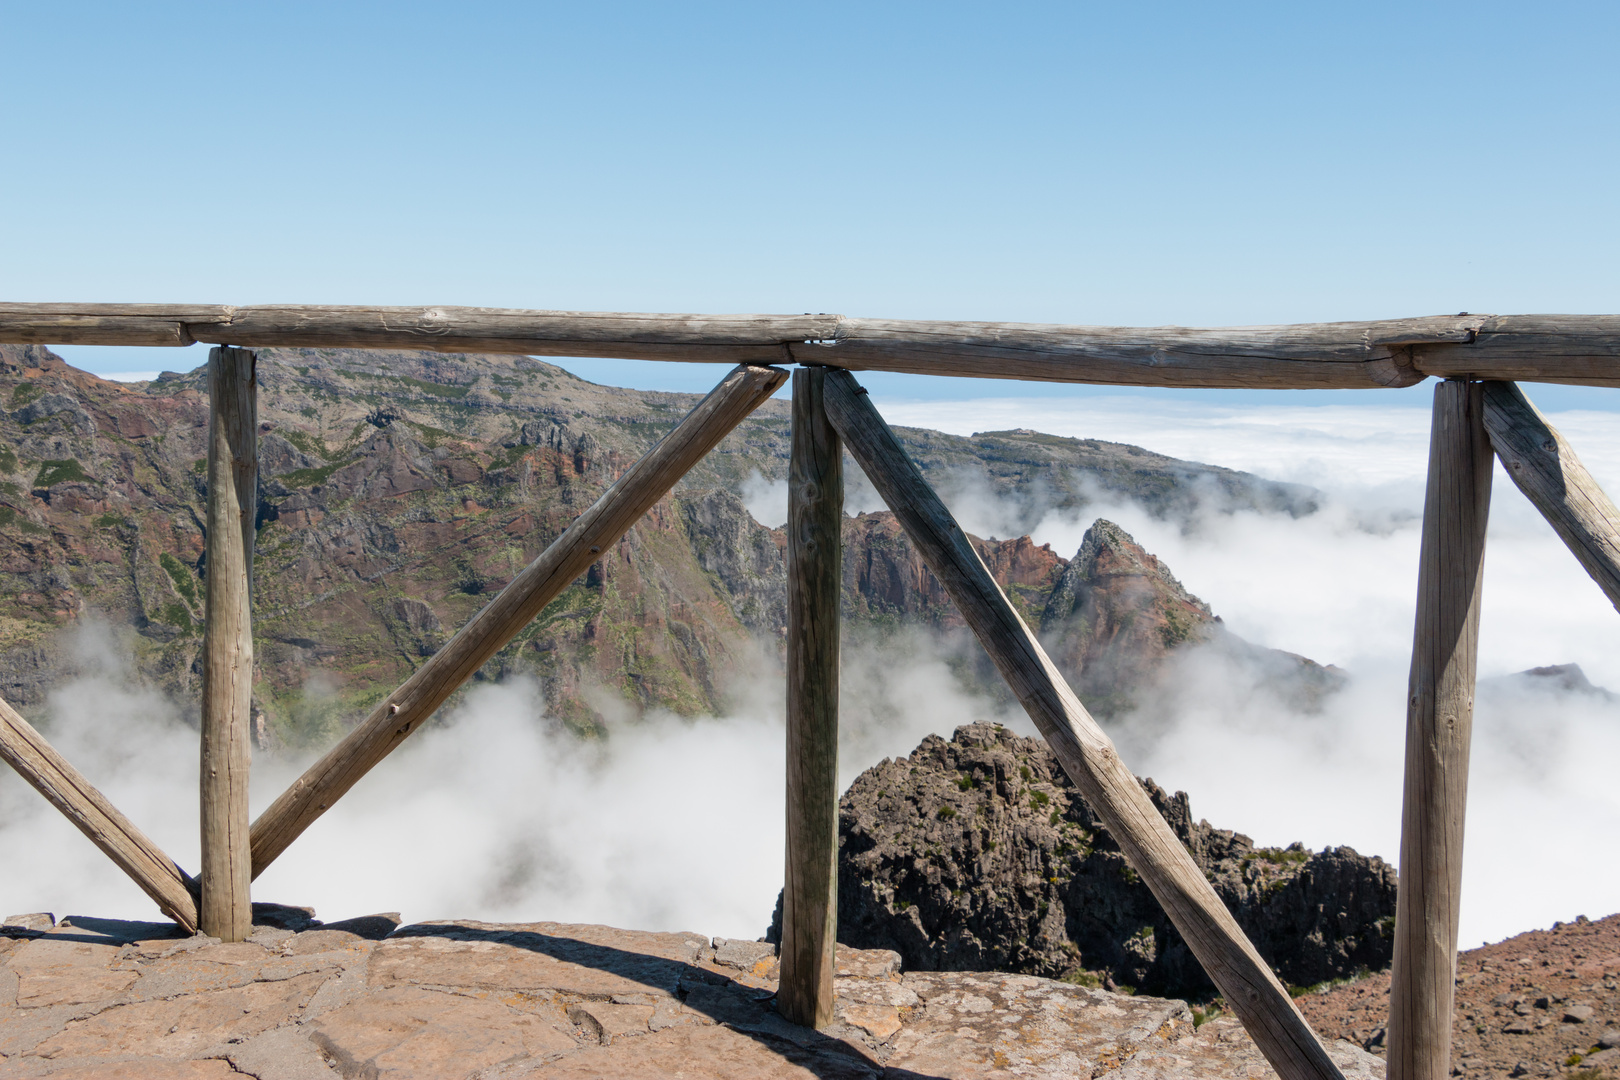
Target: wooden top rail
[{"x": 1581, "y": 349}]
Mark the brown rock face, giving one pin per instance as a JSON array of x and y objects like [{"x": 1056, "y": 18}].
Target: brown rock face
[
  {"x": 885, "y": 579},
  {"x": 1114, "y": 615}
]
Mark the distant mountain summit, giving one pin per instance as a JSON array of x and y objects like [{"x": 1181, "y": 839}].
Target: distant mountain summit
[{"x": 1554, "y": 679}]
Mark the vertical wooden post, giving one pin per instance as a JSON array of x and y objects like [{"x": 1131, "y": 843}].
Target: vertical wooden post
[
  {"x": 815, "y": 573},
  {"x": 227, "y": 679},
  {"x": 1439, "y": 720}
]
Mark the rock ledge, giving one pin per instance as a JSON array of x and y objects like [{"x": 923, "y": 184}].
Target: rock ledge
[{"x": 456, "y": 998}]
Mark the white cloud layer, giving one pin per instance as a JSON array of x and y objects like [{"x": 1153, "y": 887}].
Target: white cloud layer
[{"x": 671, "y": 823}]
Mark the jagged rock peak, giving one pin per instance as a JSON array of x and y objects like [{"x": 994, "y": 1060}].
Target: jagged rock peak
[
  {"x": 1115, "y": 613},
  {"x": 1108, "y": 550}
]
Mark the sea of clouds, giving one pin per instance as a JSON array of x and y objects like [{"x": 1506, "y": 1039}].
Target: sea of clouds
[{"x": 497, "y": 812}]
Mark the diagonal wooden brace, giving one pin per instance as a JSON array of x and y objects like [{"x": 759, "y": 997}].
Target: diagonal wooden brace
[
  {"x": 621, "y": 506},
  {"x": 37, "y": 762},
  {"x": 1542, "y": 464},
  {"x": 1084, "y": 749}
]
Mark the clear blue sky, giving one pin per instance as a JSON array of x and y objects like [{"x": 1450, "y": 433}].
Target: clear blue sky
[{"x": 1132, "y": 164}]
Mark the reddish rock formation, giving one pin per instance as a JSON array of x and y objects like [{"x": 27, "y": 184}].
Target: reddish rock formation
[{"x": 1544, "y": 1003}]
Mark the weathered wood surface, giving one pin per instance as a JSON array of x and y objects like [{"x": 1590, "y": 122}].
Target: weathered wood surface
[
  {"x": 106, "y": 324},
  {"x": 1580, "y": 349},
  {"x": 1391, "y": 352},
  {"x": 37, "y": 762},
  {"x": 593, "y": 532},
  {"x": 630, "y": 335},
  {"x": 1546, "y": 469},
  {"x": 1086, "y": 752},
  {"x": 1439, "y": 721},
  {"x": 814, "y": 580},
  {"x": 227, "y": 652}
]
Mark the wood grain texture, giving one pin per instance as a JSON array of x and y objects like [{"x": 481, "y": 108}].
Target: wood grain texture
[
  {"x": 1086, "y": 752},
  {"x": 1546, "y": 469},
  {"x": 1439, "y": 721},
  {"x": 1391, "y": 352},
  {"x": 227, "y": 652},
  {"x": 105, "y": 324},
  {"x": 1580, "y": 349},
  {"x": 593, "y": 532},
  {"x": 729, "y": 339},
  {"x": 814, "y": 580},
  {"x": 1315, "y": 355},
  {"x": 65, "y": 788}
]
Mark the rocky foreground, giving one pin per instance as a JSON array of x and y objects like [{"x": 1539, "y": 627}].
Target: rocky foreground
[
  {"x": 1545, "y": 1003},
  {"x": 368, "y": 998}
]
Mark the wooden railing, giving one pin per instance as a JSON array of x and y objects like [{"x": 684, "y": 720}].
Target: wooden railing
[{"x": 1476, "y": 413}]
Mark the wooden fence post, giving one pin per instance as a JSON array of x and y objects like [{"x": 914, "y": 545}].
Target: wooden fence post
[
  {"x": 1439, "y": 720},
  {"x": 814, "y": 579},
  {"x": 743, "y": 390},
  {"x": 1546, "y": 469},
  {"x": 227, "y": 677},
  {"x": 1086, "y": 752},
  {"x": 37, "y": 762}
]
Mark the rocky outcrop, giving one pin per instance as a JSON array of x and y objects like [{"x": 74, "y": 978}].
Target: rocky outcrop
[
  {"x": 977, "y": 853},
  {"x": 457, "y": 1000},
  {"x": 1114, "y": 614},
  {"x": 1117, "y": 613}
]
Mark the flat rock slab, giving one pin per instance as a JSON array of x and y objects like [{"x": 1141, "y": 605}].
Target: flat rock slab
[{"x": 457, "y": 998}]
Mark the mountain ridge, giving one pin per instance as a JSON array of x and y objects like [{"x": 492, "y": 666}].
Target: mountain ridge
[{"x": 399, "y": 490}]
